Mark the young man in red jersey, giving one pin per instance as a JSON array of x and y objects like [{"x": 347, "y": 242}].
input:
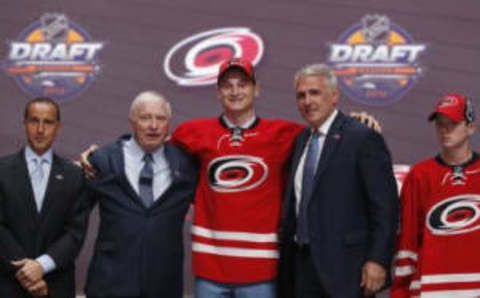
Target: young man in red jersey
[
  {"x": 437, "y": 253},
  {"x": 238, "y": 200}
]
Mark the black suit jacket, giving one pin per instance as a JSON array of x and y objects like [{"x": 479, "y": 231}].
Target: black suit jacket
[
  {"x": 58, "y": 230},
  {"x": 139, "y": 251},
  {"x": 352, "y": 214}
]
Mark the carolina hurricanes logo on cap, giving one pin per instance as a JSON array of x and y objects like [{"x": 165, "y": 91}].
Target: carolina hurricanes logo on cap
[
  {"x": 195, "y": 60},
  {"x": 236, "y": 173},
  {"x": 448, "y": 101},
  {"x": 455, "y": 215}
]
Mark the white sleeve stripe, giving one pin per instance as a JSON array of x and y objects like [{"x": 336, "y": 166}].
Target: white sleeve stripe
[
  {"x": 415, "y": 285},
  {"x": 452, "y": 293},
  {"x": 447, "y": 278},
  {"x": 235, "y": 236},
  {"x": 404, "y": 270},
  {"x": 235, "y": 252},
  {"x": 406, "y": 254}
]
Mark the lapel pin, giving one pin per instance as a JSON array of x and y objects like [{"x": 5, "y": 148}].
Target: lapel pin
[
  {"x": 59, "y": 177},
  {"x": 337, "y": 136}
]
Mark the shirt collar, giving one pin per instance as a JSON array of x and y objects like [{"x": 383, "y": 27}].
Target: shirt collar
[
  {"x": 325, "y": 127},
  {"x": 136, "y": 150},
  {"x": 30, "y": 155},
  {"x": 246, "y": 125}
]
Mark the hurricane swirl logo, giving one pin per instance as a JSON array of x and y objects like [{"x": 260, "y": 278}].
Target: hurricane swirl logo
[
  {"x": 456, "y": 215},
  {"x": 53, "y": 57},
  {"x": 195, "y": 60},
  {"x": 235, "y": 173},
  {"x": 376, "y": 61}
]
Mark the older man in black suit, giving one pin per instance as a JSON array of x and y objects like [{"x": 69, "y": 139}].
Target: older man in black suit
[
  {"x": 341, "y": 210},
  {"x": 42, "y": 212},
  {"x": 143, "y": 187}
]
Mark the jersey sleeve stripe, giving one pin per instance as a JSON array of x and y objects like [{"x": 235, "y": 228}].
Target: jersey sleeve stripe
[
  {"x": 237, "y": 236},
  {"x": 406, "y": 254},
  {"x": 235, "y": 252},
  {"x": 450, "y": 278},
  {"x": 450, "y": 294},
  {"x": 404, "y": 270}
]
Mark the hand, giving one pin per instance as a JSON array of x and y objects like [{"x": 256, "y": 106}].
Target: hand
[
  {"x": 88, "y": 169},
  {"x": 28, "y": 272},
  {"x": 39, "y": 289},
  {"x": 373, "y": 278},
  {"x": 367, "y": 119}
]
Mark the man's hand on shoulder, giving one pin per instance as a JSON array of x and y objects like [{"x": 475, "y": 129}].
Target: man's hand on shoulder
[
  {"x": 367, "y": 119},
  {"x": 87, "y": 167}
]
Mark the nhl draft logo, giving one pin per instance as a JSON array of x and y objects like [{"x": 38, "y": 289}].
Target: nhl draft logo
[
  {"x": 455, "y": 215},
  {"x": 376, "y": 61},
  {"x": 53, "y": 57},
  {"x": 195, "y": 60},
  {"x": 235, "y": 173}
]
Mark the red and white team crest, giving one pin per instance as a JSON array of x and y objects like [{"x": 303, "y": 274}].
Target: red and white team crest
[
  {"x": 234, "y": 173},
  {"x": 455, "y": 215},
  {"x": 195, "y": 60}
]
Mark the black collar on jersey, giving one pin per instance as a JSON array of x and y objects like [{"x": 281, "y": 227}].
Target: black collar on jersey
[
  {"x": 224, "y": 124},
  {"x": 472, "y": 159}
]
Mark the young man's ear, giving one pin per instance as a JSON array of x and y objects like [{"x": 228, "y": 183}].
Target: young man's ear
[
  {"x": 472, "y": 128},
  {"x": 257, "y": 89}
]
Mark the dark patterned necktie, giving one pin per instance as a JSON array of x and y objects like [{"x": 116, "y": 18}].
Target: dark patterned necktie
[{"x": 146, "y": 181}]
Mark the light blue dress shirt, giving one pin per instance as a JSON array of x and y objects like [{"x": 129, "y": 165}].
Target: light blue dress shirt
[{"x": 39, "y": 188}]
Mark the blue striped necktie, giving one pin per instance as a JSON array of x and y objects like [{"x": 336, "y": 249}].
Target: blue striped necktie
[{"x": 307, "y": 187}]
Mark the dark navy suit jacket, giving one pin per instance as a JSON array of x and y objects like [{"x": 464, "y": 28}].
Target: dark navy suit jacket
[
  {"x": 139, "y": 250},
  {"x": 352, "y": 214},
  {"x": 58, "y": 230}
]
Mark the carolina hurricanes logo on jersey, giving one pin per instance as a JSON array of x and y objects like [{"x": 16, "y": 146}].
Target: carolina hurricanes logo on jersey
[
  {"x": 195, "y": 60},
  {"x": 235, "y": 173},
  {"x": 455, "y": 215}
]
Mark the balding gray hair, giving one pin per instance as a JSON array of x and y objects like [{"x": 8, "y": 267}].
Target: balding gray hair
[
  {"x": 318, "y": 69},
  {"x": 148, "y": 96}
]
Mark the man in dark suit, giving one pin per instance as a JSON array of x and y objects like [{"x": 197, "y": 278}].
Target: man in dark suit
[
  {"x": 143, "y": 187},
  {"x": 341, "y": 206},
  {"x": 42, "y": 218}
]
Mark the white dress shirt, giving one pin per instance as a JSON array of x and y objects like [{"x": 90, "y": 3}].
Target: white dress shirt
[
  {"x": 39, "y": 188},
  {"x": 133, "y": 155},
  {"x": 322, "y": 134}
]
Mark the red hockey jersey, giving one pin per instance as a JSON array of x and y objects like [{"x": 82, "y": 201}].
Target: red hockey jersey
[
  {"x": 238, "y": 199},
  {"x": 439, "y": 243}
]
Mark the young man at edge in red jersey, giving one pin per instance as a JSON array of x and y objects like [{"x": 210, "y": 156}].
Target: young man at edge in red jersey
[{"x": 437, "y": 254}]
